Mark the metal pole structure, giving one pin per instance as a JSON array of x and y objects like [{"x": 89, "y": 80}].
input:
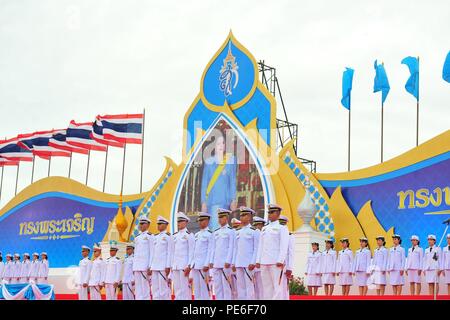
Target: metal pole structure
[
  {"x": 142, "y": 149},
  {"x": 87, "y": 168},
  {"x": 123, "y": 167},
  {"x": 349, "y": 127},
  {"x": 70, "y": 164},
  {"x": 1, "y": 183},
  {"x": 49, "y": 165},
  {"x": 382, "y": 116},
  {"x": 32, "y": 170},
  {"x": 106, "y": 163},
  {"x": 417, "y": 117},
  {"x": 17, "y": 177}
]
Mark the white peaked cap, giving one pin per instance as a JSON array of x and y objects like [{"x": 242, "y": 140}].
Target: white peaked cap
[
  {"x": 247, "y": 209},
  {"x": 82, "y": 248},
  {"x": 234, "y": 221},
  {"x": 204, "y": 215},
  {"x": 144, "y": 219},
  {"x": 431, "y": 236},
  {"x": 182, "y": 216},
  {"x": 26, "y": 254},
  {"x": 16, "y": 255},
  {"x": 35, "y": 254},
  {"x": 43, "y": 253},
  {"x": 130, "y": 245},
  {"x": 161, "y": 219},
  {"x": 448, "y": 236},
  {"x": 258, "y": 219},
  {"x": 414, "y": 237}
]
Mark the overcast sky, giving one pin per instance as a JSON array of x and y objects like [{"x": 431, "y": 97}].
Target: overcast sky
[{"x": 63, "y": 60}]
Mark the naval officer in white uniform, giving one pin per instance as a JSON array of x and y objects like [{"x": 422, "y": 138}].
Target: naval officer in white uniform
[
  {"x": 34, "y": 268},
  {"x": 85, "y": 267},
  {"x": 244, "y": 259},
  {"x": 162, "y": 260},
  {"x": 113, "y": 272},
  {"x": 272, "y": 254},
  {"x": 143, "y": 255},
  {"x": 414, "y": 266},
  {"x": 224, "y": 238},
  {"x": 445, "y": 269},
  {"x": 289, "y": 260},
  {"x": 127, "y": 276},
  {"x": 432, "y": 264},
  {"x": 203, "y": 254},
  {"x": 258, "y": 223},
  {"x": 183, "y": 254},
  {"x": 97, "y": 276}
]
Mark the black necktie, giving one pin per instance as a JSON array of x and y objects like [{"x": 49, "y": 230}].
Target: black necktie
[
  {"x": 413, "y": 249},
  {"x": 431, "y": 249}
]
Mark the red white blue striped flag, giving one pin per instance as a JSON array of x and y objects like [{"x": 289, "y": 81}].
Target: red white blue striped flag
[
  {"x": 79, "y": 135},
  {"x": 10, "y": 150},
  {"x": 124, "y": 128},
  {"x": 38, "y": 144}
]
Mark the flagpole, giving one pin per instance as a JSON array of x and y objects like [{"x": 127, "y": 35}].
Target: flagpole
[
  {"x": 17, "y": 177},
  {"x": 349, "y": 121},
  {"x": 382, "y": 122},
  {"x": 142, "y": 148},
  {"x": 1, "y": 183},
  {"x": 106, "y": 163},
  {"x": 32, "y": 170},
  {"x": 87, "y": 168},
  {"x": 70, "y": 164},
  {"x": 123, "y": 167},
  {"x": 417, "y": 115},
  {"x": 49, "y": 165}
]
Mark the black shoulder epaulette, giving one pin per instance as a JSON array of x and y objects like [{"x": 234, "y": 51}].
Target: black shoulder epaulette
[
  {"x": 117, "y": 258},
  {"x": 290, "y": 233},
  {"x": 253, "y": 228},
  {"x": 216, "y": 229},
  {"x": 168, "y": 233},
  {"x": 230, "y": 227},
  {"x": 148, "y": 232},
  {"x": 209, "y": 231},
  {"x": 188, "y": 232},
  {"x": 175, "y": 233}
]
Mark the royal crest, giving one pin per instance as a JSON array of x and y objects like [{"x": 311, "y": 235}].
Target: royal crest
[{"x": 228, "y": 73}]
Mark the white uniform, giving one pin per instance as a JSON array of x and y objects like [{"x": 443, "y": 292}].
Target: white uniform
[
  {"x": 143, "y": 255},
  {"x": 224, "y": 241},
  {"x": 445, "y": 264},
  {"x": 16, "y": 271},
  {"x": 378, "y": 266},
  {"x": 396, "y": 264},
  {"x": 2, "y": 269},
  {"x": 328, "y": 264},
  {"x": 112, "y": 276},
  {"x": 247, "y": 240},
  {"x": 34, "y": 270},
  {"x": 43, "y": 271},
  {"x": 128, "y": 278},
  {"x": 162, "y": 258},
  {"x": 289, "y": 267},
  {"x": 414, "y": 264},
  {"x": 361, "y": 266},
  {"x": 8, "y": 272},
  {"x": 97, "y": 278},
  {"x": 313, "y": 268},
  {"x": 25, "y": 271},
  {"x": 431, "y": 263},
  {"x": 273, "y": 249},
  {"x": 183, "y": 254},
  {"x": 344, "y": 267},
  {"x": 85, "y": 266},
  {"x": 203, "y": 254}
]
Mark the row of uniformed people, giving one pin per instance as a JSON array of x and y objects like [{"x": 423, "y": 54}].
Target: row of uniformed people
[
  {"x": 363, "y": 269},
  {"x": 245, "y": 262},
  {"x": 14, "y": 270}
]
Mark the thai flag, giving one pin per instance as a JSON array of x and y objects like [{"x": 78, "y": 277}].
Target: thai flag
[
  {"x": 38, "y": 144},
  {"x": 97, "y": 134},
  {"x": 5, "y": 162},
  {"x": 79, "y": 135},
  {"x": 58, "y": 141},
  {"x": 125, "y": 128},
  {"x": 10, "y": 150}
]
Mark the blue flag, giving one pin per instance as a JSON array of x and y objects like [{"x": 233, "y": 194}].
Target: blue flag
[
  {"x": 347, "y": 80},
  {"x": 446, "y": 69},
  {"x": 381, "y": 82},
  {"x": 412, "y": 85}
]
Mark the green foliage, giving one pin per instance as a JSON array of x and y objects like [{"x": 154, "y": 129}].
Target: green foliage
[{"x": 297, "y": 287}]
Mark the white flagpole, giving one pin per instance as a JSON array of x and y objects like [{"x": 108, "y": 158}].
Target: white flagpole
[
  {"x": 32, "y": 170},
  {"x": 70, "y": 164},
  {"x": 142, "y": 149},
  {"x": 123, "y": 166},
  {"x": 17, "y": 177},
  {"x": 106, "y": 163},
  {"x": 1, "y": 182},
  {"x": 49, "y": 165},
  {"x": 87, "y": 167}
]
